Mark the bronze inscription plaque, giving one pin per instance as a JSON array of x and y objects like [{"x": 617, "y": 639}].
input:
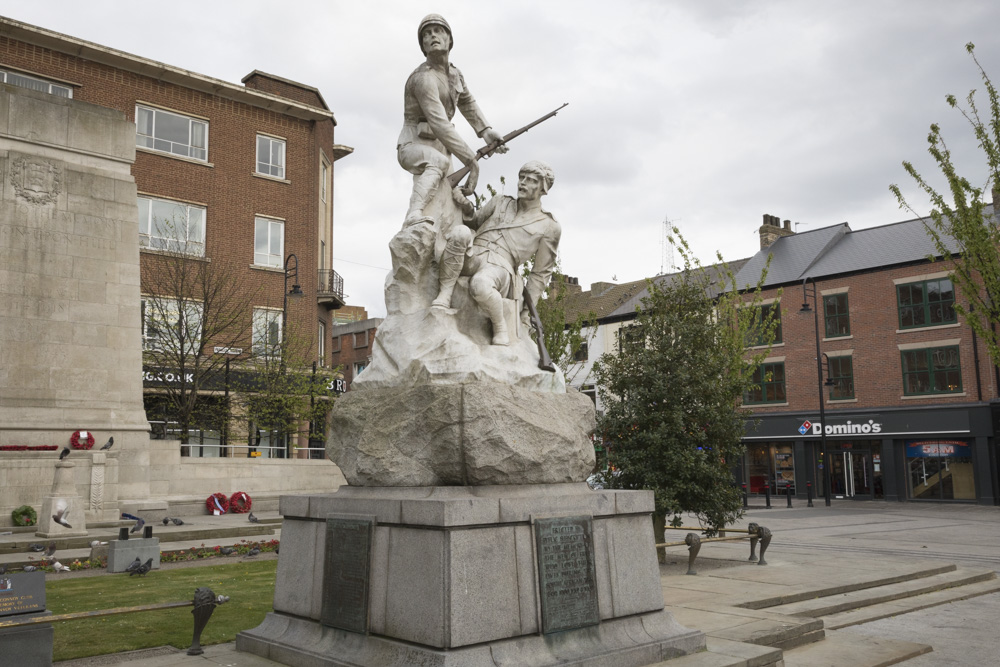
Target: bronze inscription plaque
[
  {"x": 567, "y": 581},
  {"x": 346, "y": 573}
]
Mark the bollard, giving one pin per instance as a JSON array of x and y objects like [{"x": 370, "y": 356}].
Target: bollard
[
  {"x": 147, "y": 532},
  {"x": 752, "y": 530},
  {"x": 745, "y": 504},
  {"x": 205, "y": 602},
  {"x": 693, "y": 542},
  {"x": 788, "y": 494},
  {"x": 809, "y": 494},
  {"x": 767, "y": 495},
  {"x": 123, "y": 533}
]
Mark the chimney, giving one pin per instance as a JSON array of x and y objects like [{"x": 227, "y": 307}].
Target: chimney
[
  {"x": 772, "y": 230},
  {"x": 597, "y": 289}
]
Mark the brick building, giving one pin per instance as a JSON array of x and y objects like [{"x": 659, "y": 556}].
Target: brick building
[
  {"x": 244, "y": 174},
  {"x": 352, "y": 344},
  {"x": 910, "y": 395}
]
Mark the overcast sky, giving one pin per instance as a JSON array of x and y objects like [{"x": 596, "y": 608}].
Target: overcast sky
[{"x": 705, "y": 113}]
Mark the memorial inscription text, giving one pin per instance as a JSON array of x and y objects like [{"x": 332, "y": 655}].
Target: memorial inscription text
[{"x": 567, "y": 579}]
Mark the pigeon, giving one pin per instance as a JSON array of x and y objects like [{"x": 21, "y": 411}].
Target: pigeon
[
  {"x": 64, "y": 453},
  {"x": 36, "y": 547},
  {"x": 134, "y": 565},
  {"x": 108, "y": 444},
  {"x": 142, "y": 569},
  {"x": 51, "y": 551},
  {"x": 166, "y": 520},
  {"x": 3, "y": 570},
  {"x": 252, "y": 518},
  {"x": 59, "y": 567},
  {"x": 138, "y": 526},
  {"x": 276, "y": 548},
  {"x": 97, "y": 543},
  {"x": 130, "y": 517},
  {"x": 225, "y": 551},
  {"x": 62, "y": 509},
  {"x": 253, "y": 552},
  {"x": 177, "y": 522},
  {"x": 30, "y": 568}
]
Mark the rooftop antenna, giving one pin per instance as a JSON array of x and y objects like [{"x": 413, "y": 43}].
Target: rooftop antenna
[
  {"x": 797, "y": 226},
  {"x": 666, "y": 247}
]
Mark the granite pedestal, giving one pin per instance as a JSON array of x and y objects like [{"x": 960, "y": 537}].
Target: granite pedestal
[
  {"x": 122, "y": 553},
  {"x": 22, "y": 597},
  {"x": 451, "y": 577}
]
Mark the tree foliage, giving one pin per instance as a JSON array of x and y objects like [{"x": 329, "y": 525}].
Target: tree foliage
[
  {"x": 190, "y": 306},
  {"x": 564, "y": 338},
  {"x": 672, "y": 419},
  {"x": 959, "y": 214}
]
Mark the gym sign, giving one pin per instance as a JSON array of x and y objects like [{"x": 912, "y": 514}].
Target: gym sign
[{"x": 848, "y": 428}]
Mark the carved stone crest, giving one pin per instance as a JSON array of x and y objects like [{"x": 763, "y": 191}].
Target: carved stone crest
[{"x": 36, "y": 181}]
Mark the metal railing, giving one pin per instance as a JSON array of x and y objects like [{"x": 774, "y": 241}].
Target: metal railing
[
  {"x": 330, "y": 282},
  {"x": 205, "y": 601}
]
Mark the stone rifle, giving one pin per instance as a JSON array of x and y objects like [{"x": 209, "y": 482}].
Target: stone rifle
[
  {"x": 544, "y": 361},
  {"x": 488, "y": 150}
]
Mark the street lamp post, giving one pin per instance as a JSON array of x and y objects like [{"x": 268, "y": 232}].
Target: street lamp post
[
  {"x": 827, "y": 461},
  {"x": 291, "y": 271}
]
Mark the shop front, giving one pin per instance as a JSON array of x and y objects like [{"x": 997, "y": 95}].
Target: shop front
[{"x": 926, "y": 454}]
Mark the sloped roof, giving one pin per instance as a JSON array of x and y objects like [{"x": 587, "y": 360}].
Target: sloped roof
[{"x": 838, "y": 250}]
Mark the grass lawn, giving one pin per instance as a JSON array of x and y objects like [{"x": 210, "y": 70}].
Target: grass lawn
[{"x": 250, "y": 586}]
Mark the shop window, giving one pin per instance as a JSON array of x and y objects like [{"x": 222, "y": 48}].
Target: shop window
[
  {"x": 926, "y": 304},
  {"x": 935, "y": 370},
  {"x": 755, "y": 335},
  {"x": 270, "y": 156},
  {"x": 835, "y": 315},
  {"x": 34, "y": 83},
  {"x": 842, "y": 374},
  {"x": 771, "y": 467},
  {"x": 172, "y": 226},
  {"x": 940, "y": 470},
  {"x": 770, "y": 381},
  {"x": 268, "y": 242},
  {"x": 170, "y": 132}
]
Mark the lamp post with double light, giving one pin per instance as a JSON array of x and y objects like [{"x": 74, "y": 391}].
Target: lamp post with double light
[{"x": 827, "y": 461}]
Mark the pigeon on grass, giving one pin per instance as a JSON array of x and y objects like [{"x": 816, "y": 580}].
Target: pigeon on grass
[
  {"x": 143, "y": 569},
  {"x": 134, "y": 565},
  {"x": 108, "y": 444}
]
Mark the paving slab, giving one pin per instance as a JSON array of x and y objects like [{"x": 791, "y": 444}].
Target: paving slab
[{"x": 840, "y": 650}]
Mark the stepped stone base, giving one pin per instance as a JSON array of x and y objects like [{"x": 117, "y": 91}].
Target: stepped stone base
[{"x": 453, "y": 579}]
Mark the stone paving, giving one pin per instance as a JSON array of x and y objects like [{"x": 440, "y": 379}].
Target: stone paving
[{"x": 846, "y": 544}]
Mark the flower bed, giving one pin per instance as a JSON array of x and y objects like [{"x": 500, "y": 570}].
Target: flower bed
[{"x": 28, "y": 448}]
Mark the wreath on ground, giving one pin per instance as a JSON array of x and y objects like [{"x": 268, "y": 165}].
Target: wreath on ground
[
  {"x": 81, "y": 440},
  {"x": 240, "y": 503},
  {"x": 24, "y": 515},
  {"x": 217, "y": 502}
]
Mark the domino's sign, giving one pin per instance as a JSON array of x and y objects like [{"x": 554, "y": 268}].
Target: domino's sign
[{"x": 869, "y": 427}]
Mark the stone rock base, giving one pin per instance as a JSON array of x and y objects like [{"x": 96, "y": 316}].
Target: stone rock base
[
  {"x": 454, "y": 580},
  {"x": 464, "y": 434}
]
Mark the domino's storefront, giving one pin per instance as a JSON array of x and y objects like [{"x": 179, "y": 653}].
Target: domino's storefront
[{"x": 944, "y": 454}]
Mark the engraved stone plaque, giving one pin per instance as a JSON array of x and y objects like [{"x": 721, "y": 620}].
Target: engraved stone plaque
[
  {"x": 346, "y": 572},
  {"x": 567, "y": 580},
  {"x": 22, "y": 593}
]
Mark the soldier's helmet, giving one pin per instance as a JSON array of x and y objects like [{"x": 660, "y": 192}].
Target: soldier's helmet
[
  {"x": 543, "y": 171},
  {"x": 434, "y": 19}
]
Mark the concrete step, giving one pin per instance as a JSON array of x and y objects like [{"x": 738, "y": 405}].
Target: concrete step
[
  {"x": 857, "y": 599},
  {"x": 724, "y": 653},
  {"x": 839, "y": 649},
  {"x": 906, "y": 605},
  {"x": 864, "y": 582}
]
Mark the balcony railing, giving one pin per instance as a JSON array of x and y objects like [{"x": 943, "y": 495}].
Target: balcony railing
[{"x": 330, "y": 288}]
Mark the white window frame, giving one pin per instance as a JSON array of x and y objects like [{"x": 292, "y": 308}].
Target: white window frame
[
  {"x": 271, "y": 166},
  {"x": 271, "y": 319},
  {"x": 273, "y": 231},
  {"x": 321, "y": 348},
  {"x": 324, "y": 179},
  {"x": 169, "y": 316},
  {"x": 161, "y": 145},
  {"x": 183, "y": 232},
  {"x": 31, "y": 82}
]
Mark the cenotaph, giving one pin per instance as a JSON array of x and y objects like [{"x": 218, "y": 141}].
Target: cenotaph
[{"x": 468, "y": 534}]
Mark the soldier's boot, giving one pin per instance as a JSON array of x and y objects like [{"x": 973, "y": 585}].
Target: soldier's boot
[
  {"x": 425, "y": 185},
  {"x": 450, "y": 267},
  {"x": 492, "y": 304}
]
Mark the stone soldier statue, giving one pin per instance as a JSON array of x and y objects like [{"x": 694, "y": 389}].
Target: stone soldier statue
[
  {"x": 428, "y": 138},
  {"x": 508, "y": 232}
]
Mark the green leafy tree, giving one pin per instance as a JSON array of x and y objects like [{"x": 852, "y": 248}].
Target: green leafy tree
[
  {"x": 563, "y": 337},
  {"x": 672, "y": 418},
  {"x": 959, "y": 214}
]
